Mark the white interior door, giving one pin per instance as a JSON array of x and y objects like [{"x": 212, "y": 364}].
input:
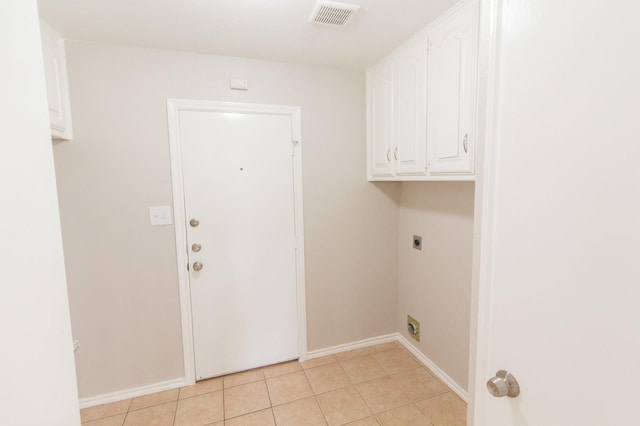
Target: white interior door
[
  {"x": 560, "y": 260},
  {"x": 239, "y": 185}
]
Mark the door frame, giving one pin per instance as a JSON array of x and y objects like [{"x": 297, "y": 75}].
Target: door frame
[
  {"x": 174, "y": 107},
  {"x": 486, "y": 161}
]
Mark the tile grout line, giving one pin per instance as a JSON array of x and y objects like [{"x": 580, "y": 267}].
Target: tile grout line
[
  {"x": 269, "y": 396},
  {"x": 315, "y": 397},
  {"x": 387, "y": 375},
  {"x": 370, "y": 351},
  {"x": 358, "y": 391},
  {"x": 127, "y": 412},
  {"x": 175, "y": 412},
  {"x": 224, "y": 410}
]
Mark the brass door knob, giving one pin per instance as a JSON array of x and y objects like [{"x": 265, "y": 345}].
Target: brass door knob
[{"x": 197, "y": 266}]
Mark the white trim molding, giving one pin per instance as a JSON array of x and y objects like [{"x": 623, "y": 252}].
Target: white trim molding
[
  {"x": 106, "y": 398},
  {"x": 185, "y": 381},
  {"x": 395, "y": 337},
  {"x": 444, "y": 377},
  {"x": 353, "y": 345},
  {"x": 174, "y": 107}
]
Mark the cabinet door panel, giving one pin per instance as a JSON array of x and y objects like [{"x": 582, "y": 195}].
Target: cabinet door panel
[
  {"x": 51, "y": 56},
  {"x": 380, "y": 120},
  {"x": 452, "y": 64},
  {"x": 55, "y": 71},
  {"x": 410, "y": 108}
]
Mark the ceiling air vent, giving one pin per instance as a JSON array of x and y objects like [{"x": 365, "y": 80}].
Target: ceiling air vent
[{"x": 332, "y": 13}]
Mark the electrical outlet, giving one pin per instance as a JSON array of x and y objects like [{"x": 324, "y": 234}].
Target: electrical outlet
[
  {"x": 417, "y": 242},
  {"x": 413, "y": 327}
]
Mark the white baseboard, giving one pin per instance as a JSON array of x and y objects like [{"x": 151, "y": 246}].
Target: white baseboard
[
  {"x": 177, "y": 383},
  {"x": 353, "y": 345},
  {"x": 434, "y": 368},
  {"x": 132, "y": 393},
  {"x": 444, "y": 377}
]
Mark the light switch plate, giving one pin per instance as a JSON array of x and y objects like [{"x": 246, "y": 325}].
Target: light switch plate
[
  {"x": 237, "y": 84},
  {"x": 160, "y": 215}
]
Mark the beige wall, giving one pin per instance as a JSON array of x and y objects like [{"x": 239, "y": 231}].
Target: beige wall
[
  {"x": 435, "y": 283},
  {"x": 122, "y": 276}
]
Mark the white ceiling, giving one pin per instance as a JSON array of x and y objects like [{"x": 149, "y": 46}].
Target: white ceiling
[{"x": 265, "y": 29}]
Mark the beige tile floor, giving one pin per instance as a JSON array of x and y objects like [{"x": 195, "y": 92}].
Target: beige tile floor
[{"x": 377, "y": 385}]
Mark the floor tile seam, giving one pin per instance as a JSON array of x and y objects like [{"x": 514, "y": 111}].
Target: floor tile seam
[
  {"x": 315, "y": 398},
  {"x": 339, "y": 387},
  {"x": 350, "y": 421},
  {"x": 247, "y": 413},
  {"x": 323, "y": 365},
  {"x": 109, "y": 415},
  {"x": 175, "y": 414},
  {"x": 104, "y": 418},
  {"x": 240, "y": 384},
  {"x": 125, "y": 418},
  {"x": 334, "y": 389},
  {"x": 324, "y": 415},
  {"x": 433, "y": 396},
  {"x": 365, "y": 402},
  {"x": 411, "y": 401},
  {"x": 160, "y": 403},
  {"x": 310, "y": 385},
  {"x": 224, "y": 408},
  {"x": 331, "y": 362},
  {"x": 375, "y": 419},
  {"x": 375, "y": 378},
  {"x": 351, "y": 359},
  {"x": 260, "y": 369},
  {"x": 293, "y": 400},
  {"x": 273, "y": 416},
  {"x": 269, "y": 396},
  {"x": 281, "y": 374},
  {"x": 371, "y": 380},
  {"x": 402, "y": 406}
]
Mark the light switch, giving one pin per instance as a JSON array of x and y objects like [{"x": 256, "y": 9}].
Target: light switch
[
  {"x": 159, "y": 215},
  {"x": 237, "y": 84}
]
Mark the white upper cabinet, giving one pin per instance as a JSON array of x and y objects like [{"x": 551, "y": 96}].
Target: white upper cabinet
[
  {"x": 396, "y": 113},
  {"x": 452, "y": 87},
  {"x": 380, "y": 119},
  {"x": 55, "y": 70},
  {"x": 421, "y": 103},
  {"x": 410, "y": 108}
]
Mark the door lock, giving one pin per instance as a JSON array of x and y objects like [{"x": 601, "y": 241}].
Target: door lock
[
  {"x": 504, "y": 384},
  {"x": 196, "y": 247},
  {"x": 197, "y": 266},
  {"x": 194, "y": 222}
]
